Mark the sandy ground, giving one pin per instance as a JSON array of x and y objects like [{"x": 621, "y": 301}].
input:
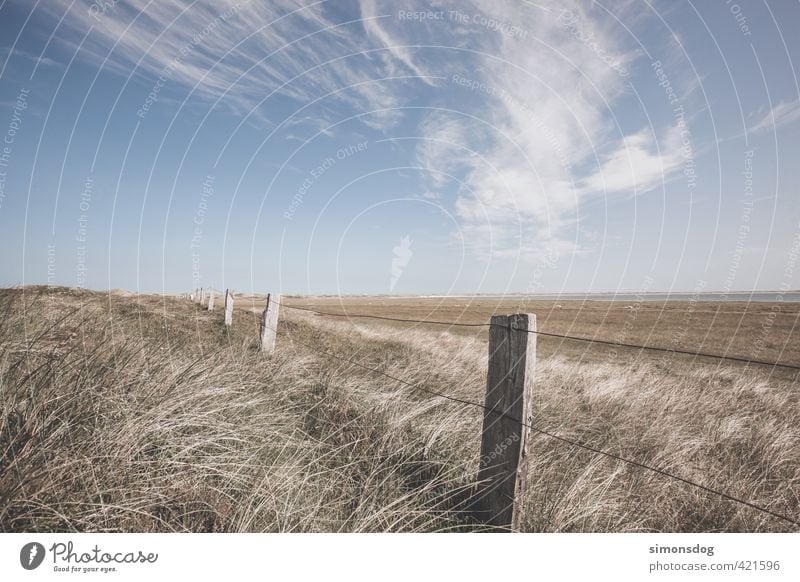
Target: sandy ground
[{"x": 756, "y": 330}]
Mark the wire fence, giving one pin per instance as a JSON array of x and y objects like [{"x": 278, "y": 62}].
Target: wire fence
[
  {"x": 614, "y": 456},
  {"x": 555, "y": 335},
  {"x": 537, "y": 430}
]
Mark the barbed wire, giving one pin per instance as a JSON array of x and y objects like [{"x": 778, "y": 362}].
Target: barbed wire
[
  {"x": 670, "y": 350},
  {"x": 572, "y": 442},
  {"x": 543, "y": 432},
  {"x": 384, "y": 318},
  {"x": 555, "y": 335}
]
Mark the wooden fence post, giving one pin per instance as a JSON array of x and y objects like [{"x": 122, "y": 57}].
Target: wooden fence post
[
  {"x": 504, "y": 443},
  {"x": 228, "y": 307},
  {"x": 211, "y": 300},
  {"x": 269, "y": 323}
]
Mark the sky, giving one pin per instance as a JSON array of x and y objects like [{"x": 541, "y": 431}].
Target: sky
[{"x": 368, "y": 147}]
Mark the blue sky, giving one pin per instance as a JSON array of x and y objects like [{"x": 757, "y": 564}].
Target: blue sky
[{"x": 400, "y": 147}]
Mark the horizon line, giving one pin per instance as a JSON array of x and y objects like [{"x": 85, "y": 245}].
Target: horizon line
[{"x": 419, "y": 295}]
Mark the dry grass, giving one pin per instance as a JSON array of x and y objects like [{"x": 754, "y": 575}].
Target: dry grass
[
  {"x": 758, "y": 330},
  {"x": 126, "y": 414}
]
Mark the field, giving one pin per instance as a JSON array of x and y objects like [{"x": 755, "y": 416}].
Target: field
[
  {"x": 765, "y": 331},
  {"x": 125, "y": 413}
]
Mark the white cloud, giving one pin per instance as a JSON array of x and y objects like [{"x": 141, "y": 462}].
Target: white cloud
[
  {"x": 636, "y": 165},
  {"x": 534, "y": 89},
  {"x": 528, "y": 134},
  {"x": 242, "y": 50},
  {"x": 783, "y": 113}
]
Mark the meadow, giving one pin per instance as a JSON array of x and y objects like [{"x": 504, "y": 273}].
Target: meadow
[{"x": 146, "y": 413}]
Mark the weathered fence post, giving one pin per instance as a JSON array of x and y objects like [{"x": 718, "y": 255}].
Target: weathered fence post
[
  {"x": 202, "y": 296},
  {"x": 228, "y": 306},
  {"x": 504, "y": 443},
  {"x": 269, "y": 323},
  {"x": 211, "y": 300}
]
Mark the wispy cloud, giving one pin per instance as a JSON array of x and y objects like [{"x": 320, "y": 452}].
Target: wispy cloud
[
  {"x": 783, "y": 113},
  {"x": 517, "y": 132},
  {"x": 526, "y": 126},
  {"x": 637, "y": 164},
  {"x": 237, "y": 50}
]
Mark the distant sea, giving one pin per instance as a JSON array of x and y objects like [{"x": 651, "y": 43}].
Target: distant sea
[{"x": 766, "y": 296}]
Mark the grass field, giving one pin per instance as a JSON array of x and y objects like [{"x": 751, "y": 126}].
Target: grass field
[
  {"x": 124, "y": 413},
  {"x": 766, "y": 331}
]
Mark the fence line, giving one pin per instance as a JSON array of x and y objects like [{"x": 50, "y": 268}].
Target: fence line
[
  {"x": 385, "y": 318},
  {"x": 543, "y": 432},
  {"x": 520, "y": 422},
  {"x": 556, "y": 335}
]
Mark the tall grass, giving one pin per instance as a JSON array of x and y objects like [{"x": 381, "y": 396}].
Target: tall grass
[{"x": 147, "y": 414}]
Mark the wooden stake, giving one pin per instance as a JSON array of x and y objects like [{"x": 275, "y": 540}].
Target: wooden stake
[
  {"x": 269, "y": 323},
  {"x": 211, "y": 300},
  {"x": 228, "y": 307},
  {"x": 504, "y": 443}
]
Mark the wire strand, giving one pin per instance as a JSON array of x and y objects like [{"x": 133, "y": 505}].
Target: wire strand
[
  {"x": 384, "y": 318},
  {"x": 669, "y": 350},
  {"x": 552, "y": 435},
  {"x": 555, "y": 335}
]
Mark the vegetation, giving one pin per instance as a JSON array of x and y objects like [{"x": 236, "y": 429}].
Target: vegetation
[{"x": 124, "y": 413}]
